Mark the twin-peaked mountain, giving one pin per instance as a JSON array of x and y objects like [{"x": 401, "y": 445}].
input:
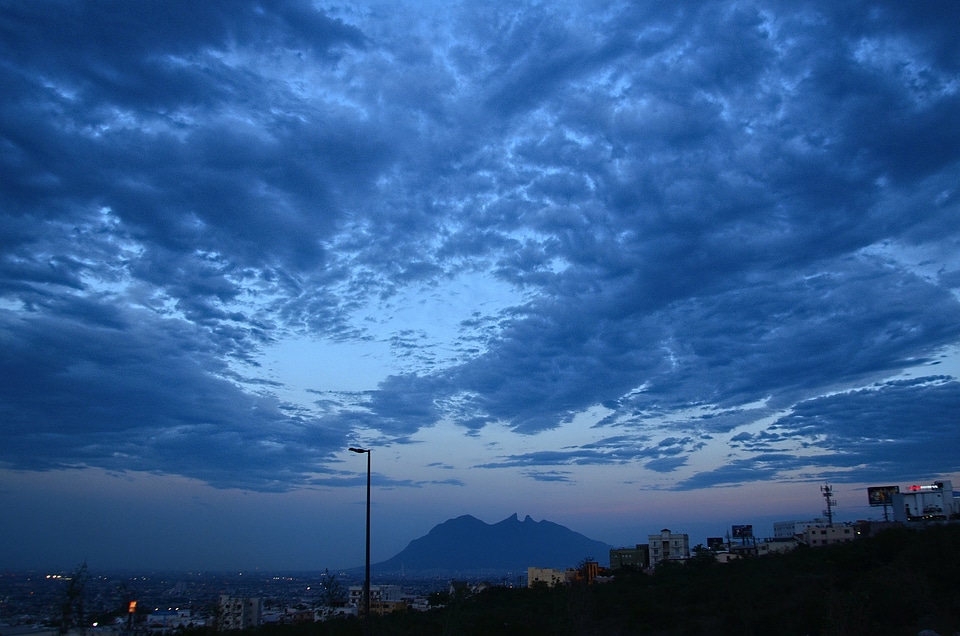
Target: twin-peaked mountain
[{"x": 467, "y": 544}]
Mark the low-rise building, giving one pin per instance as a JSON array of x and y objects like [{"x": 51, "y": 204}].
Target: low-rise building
[
  {"x": 637, "y": 558},
  {"x": 794, "y": 529},
  {"x": 588, "y": 572},
  {"x": 776, "y": 546},
  {"x": 819, "y": 536},
  {"x": 545, "y": 576},
  {"x": 164, "y": 620}
]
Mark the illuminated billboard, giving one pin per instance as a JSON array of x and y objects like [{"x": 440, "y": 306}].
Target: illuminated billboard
[{"x": 881, "y": 495}]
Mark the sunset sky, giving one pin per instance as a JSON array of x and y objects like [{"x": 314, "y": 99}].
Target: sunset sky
[{"x": 622, "y": 266}]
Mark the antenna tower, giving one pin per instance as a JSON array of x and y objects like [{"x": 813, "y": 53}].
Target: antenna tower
[{"x": 827, "y": 491}]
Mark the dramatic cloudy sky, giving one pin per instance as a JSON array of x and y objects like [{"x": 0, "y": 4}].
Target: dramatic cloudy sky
[{"x": 618, "y": 265}]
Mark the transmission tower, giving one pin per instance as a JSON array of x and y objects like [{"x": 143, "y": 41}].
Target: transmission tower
[{"x": 827, "y": 491}]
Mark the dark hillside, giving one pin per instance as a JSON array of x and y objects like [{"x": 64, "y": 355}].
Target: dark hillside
[{"x": 899, "y": 582}]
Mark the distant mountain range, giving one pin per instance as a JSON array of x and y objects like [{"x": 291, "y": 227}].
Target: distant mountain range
[{"x": 466, "y": 544}]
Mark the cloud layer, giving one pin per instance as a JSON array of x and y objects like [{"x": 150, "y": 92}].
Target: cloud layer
[{"x": 705, "y": 215}]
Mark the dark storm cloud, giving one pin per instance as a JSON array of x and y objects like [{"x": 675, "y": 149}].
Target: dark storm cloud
[
  {"x": 901, "y": 430},
  {"x": 780, "y": 335},
  {"x": 552, "y": 476},
  {"x": 125, "y": 391},
  {"x": 725, "y": 266},
  {"x": 382, "y": 482},
  {"x": 664, "y": 456},
  {"x": 137, "y": 109},
  {"x": 898, "y": 428},
  {"x": 665, "y": 464},
  {"x": 404, "y": 404},
  {"x": 760, "y": 467},
  {"x": 702, "y": 206}
]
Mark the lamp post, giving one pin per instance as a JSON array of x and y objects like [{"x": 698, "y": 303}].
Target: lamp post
[{"x": 366, "y": 579}]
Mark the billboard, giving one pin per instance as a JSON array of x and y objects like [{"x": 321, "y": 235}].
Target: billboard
[
  {"x": 881, "y": 495},
  {"x": 742, "y": 531},
  {"x": 715, "y": 543}
]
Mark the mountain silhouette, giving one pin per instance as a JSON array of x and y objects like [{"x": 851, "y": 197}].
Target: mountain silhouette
[{"x": 466, "y": 544}]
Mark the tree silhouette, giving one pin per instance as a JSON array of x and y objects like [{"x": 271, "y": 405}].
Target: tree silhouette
[{"x": 71, "y": 607}]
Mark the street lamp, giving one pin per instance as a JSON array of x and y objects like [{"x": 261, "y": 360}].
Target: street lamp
[{"x": 366, "y": 580}]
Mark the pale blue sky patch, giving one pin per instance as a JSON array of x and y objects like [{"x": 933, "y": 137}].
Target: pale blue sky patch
[{"x": 305, "y": 364}]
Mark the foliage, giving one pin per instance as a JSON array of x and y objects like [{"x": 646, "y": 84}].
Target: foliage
[
  {"x": 899, "y": 582},
  {"x": 332, "y": 592}
]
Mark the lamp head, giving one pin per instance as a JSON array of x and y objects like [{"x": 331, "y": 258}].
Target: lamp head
[{"x": 359, "y": 450}]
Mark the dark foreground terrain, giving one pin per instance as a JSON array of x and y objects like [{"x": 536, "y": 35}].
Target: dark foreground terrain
[{"x": 899, "y": 582}]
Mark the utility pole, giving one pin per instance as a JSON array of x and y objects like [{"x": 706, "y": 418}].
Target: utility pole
[{"x": 366, "y": 579}]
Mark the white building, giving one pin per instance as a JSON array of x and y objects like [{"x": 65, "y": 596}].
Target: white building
[
  {"x": 819, "y": 536},
  {"x": 794, "y": 529},
  {"x": 925, "y": 503},
  {"x": 668, "y": 546},
  {"x": 383, "y": 598},
  {"x": 239, "y": 613}
]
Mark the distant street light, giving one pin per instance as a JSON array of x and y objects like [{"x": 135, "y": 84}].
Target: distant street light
[{"x": 366, "y": 579}]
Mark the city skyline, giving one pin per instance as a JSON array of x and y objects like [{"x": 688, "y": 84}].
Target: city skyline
[{"x": 621, "y": 267}]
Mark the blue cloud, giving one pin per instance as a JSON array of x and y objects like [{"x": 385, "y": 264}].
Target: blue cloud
[{"x": 700, "y": 210}]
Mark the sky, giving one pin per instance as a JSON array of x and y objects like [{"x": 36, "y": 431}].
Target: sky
[{"x": 622, "y": 266}]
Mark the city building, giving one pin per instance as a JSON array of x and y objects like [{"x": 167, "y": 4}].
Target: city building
[
  {"x": 545, "y": 576},
  {"x": 794, "y": 529},
  {"x": 668, "y": 546},
  {"x": 932, "y": 502},
  {"x": 637, "y": 558},
  {"x": 383, "y": 598},
  {"x": 776, "y": 546},
  {"x": 587, "y": 573},
  {"x": 172, "y": 619},
  {"x": 818, "y": 536},
  {"x": 239, "y": 613},
  {"x": 763, "y": 548}
]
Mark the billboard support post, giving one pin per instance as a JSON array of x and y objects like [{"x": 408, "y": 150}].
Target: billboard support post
[{"x": 882, "y": 496}]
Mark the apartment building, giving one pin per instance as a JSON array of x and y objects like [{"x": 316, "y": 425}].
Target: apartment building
[
  {"x": 239, "y": 613},
  {"x": 668, "y": 546}
]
